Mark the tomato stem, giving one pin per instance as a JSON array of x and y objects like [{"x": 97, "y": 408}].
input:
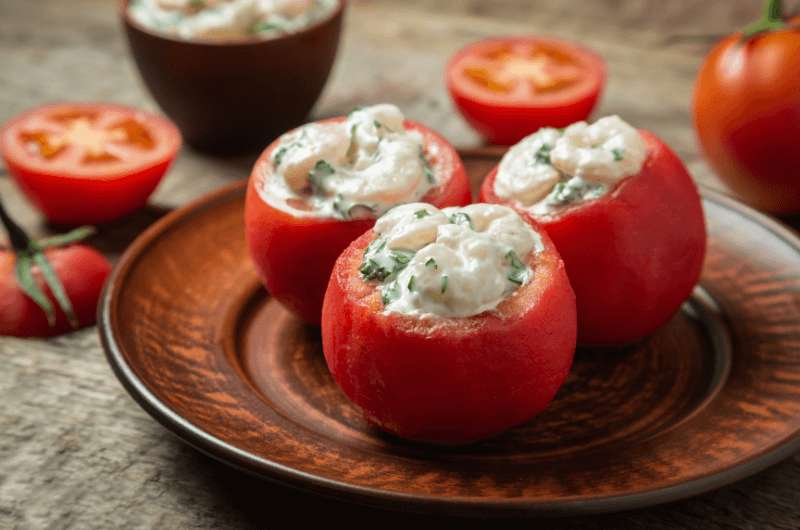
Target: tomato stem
[
  {"x": 28, "y": 254},
  {"x": 771, "y": 20}
]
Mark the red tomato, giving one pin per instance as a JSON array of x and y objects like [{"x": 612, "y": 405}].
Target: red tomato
[
  {"x": 633, "y": 255},
  {"x": 509, "y": 88},
  {"x": 747, "y": 116},
  {"x": 82, "y": 271},
  {"x": 295, "y": 255},
  {"x": 449, "y": 380},
  {"x": 88, "y": 162}
]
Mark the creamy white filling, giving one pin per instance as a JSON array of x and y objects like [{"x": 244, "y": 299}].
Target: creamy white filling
[
  {"x": 551, "y": 169},
  {"x": 360, "y": 167},
  {"x": 454, "y": 262},
  {"x": 219, "y": 19}
]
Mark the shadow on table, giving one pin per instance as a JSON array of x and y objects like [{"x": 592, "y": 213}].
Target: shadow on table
[{"x": 770, "y": 496}]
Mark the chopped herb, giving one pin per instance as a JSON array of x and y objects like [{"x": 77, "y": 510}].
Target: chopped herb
[
  {"x": 390, "y": 292},
  {"x": 411, "y": 283},
  {"x": 444, "y": 283},
  {"x": 317, "y": 175},
  {"x": 618, "y": 154},
  {"x": 265, "y": 26},
  {"x": 376, "y": 123},
  {"x": 426, "y": 166},
  {"x": 461, "y": 218},
  {"x": 277, "y": 158},
  {"x": 518, "y": 269},
  {"x": 401, "y": 258},
  {"x": 542, "y": 156},
  {"x": 432, "y": 263},
  {"x": 419, "y": 214},
  {"x": 573, "y": 190},
  {"x": 355, "y": 109},
  {"x": 376, "y": 246},
  {"x": 372, "y": 270}
]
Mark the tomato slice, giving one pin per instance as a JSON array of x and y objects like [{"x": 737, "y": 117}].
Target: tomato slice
[
  {"x": 508, "y": 88},
  {"x": 88, "y": 162}
]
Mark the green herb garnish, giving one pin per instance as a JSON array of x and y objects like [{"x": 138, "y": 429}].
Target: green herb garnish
[
  {"x": 355, "y": 109},
  {"x": 618, "y": 154},
  {"x": 462, "y": 218},
  {"x": 518, "y": 269},
  {"x": 542, "y": 156},
  {"x": 444, "y": 283},
  {"x": 401, "y": 258},
  {"x": 261, "y": 27},
  {"x": 431, "y": 263},
  {"x": 426, "y": 166},
  {"x": 411, "y": 283},
  {"x": 419, "y": 214},
  {"x": 317, "y": 176},
  {"x": 277, "y": 158},
  {"x": 390, "y": 292}
]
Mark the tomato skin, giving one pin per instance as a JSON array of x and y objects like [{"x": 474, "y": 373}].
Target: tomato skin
[
  {"x": 82, "y": 271},
  {"x": 747, "y": 116},
  {"x": 449, "y": 380},
  {"x": 634, "y": 255},
  {"x": 295, "y": 255},
  {"x": 507, "y": 122},
  {"x": 77, "y": 193},
  {"x": 73, "y": 201}
]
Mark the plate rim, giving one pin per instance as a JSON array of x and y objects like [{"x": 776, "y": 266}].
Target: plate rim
[{"x": 226, "y": 453}]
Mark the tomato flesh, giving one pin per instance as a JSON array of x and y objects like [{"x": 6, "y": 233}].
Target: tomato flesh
[
  {"x": 88, "y": 163},
  {"x": 295, "y": 255},
  {"x": 635, "y": 254},
  {"x": 509, "y": 88},
  {"x": 449, "y": 380}
]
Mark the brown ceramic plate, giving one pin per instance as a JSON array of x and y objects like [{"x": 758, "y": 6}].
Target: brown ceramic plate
[{"x": 712, "y": 397}]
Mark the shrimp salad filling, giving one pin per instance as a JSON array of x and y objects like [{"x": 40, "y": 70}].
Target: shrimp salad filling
[
  {"x": 453, "y": 262},
  {"x": 228, "y": 19},
  {"x": 351, "y": 169},
  {"x": 552, "y": 168}
]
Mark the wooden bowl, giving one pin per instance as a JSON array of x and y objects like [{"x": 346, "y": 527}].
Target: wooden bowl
[
  {"x": 712, "y": 397},
  {"x": 235, "y": 95}
]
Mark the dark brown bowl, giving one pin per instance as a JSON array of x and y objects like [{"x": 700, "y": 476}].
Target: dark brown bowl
[{"x": 235, "y": 95}]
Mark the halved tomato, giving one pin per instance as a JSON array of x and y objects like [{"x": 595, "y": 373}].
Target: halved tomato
[
  {"x": 88, "y": 162},
  {"x": 507, "y": 88},
  {"x": 295, "y": 255},
  {"x": 449, "y": 380}
]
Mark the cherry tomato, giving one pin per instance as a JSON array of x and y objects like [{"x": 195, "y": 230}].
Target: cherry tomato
[
  {"x": 634, "y": 254},
  {"x": 88, "y": 162},
  {"x": 82, "y": 271},
  {"x": 508, "y": 88},
  {"x": 747, "y": 112},
  {"x": 449, "y": 380},
  {"x": 295, "y": 255}
]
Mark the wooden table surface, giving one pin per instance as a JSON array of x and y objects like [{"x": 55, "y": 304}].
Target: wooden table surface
[{"x": 77, "y": 452}]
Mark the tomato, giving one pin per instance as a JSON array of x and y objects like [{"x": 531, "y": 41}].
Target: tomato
[
  {"x": 295, "y": 255},
  {"x": 747, "y": 113},
  {"x": 88, "y": 162},
  {"x": 508, "y": 88},
  {"x": 449, "y": 380},
  {"x": 634, "y": 254}
]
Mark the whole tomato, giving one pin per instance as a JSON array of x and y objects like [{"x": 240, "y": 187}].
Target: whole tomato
[
  {"x": 747, "y": 111},
  {"x": 48, "y": 287}
]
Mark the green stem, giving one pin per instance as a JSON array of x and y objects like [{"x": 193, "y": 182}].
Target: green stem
[
  {"x": 16, "y": 235},
  {"x": 771, "y": 20}
]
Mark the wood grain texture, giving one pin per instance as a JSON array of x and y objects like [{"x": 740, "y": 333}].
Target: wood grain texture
[
  {"x": 713, "y": 396},
  {"x": 76, "y": 452}
]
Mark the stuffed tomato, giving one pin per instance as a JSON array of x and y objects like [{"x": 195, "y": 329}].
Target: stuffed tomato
[
  {"x": 625, "y": 216},
  {"x": 317, "y": 188},
  {"x": 449, "y": 326}
]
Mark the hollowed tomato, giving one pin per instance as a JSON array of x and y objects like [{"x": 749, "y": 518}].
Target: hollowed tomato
[
  {"x": 449, "y": 380},
  {"x": 508, "y": 88},
  {"x": 295, "y": 255},
  {"x": 88, "y": 162},
  {"x": 634, "y": 254}
]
